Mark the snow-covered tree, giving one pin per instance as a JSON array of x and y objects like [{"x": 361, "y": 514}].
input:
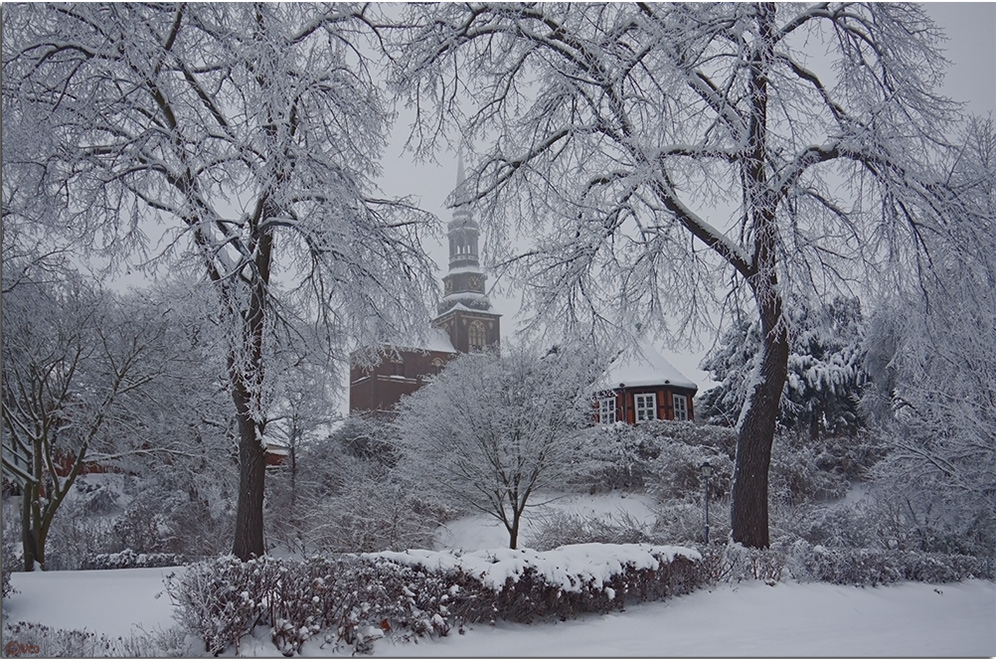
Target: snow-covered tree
[
  {"x": 661, "y": 154},
  {"x": 825, "y": 375},
  {"x": 245, "y": 138},
  {"x": 74, "y": 368},
  {"x": 491, "y": 429},
  {"x": 305, "y": 406},
  {"x": 931, "y": 357}
]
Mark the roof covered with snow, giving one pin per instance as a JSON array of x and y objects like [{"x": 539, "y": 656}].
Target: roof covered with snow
[
  {"x": 436, "y": 339},
  {"x": 461, "y": 307},
  {"x": 641, "y": 365}
]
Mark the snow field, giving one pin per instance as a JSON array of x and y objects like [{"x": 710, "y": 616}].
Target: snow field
[{"x": 750, "y": 619}]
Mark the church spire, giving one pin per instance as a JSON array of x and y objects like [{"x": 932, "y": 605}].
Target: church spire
[{"x": 465, "y": 311}]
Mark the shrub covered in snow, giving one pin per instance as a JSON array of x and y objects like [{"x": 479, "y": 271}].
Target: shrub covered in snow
[
  {"x": 84, "y": 643},
  {"x": 804, "y": 562},
  {"x": 613, "y": 457},
  {"x": 345, "y": 601},
  {"x": 129, "y": 559},
  {"x": 353, "y": 600},
  {"x": 9, "y": 563},
  {"x": 560, "y": 527}
]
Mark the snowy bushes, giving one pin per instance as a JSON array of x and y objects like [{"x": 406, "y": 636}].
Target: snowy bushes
[
  {"x": 663, "y": 457},
  {"x": 8, "y": 563},
  {"x": 84, "y": 643},
  {"x": 344, "y": 503},
  {"x": 613, "y": 457},
  {"x": 353, "y": 600},
  {"x": 803, "y": 562},
  {"x": 559, "y": 528},
  {"x": 129, "y": 559},
  {"x": 874, "y": 567}
]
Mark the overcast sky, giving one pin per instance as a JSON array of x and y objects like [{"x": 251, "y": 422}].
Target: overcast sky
[{"x": 971, "y": 78}]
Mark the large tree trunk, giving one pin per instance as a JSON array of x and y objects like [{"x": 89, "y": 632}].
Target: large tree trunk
[
  {"x": 246, "y": 391},
  {"x": 27, "y": 529},
  {"x": 750, "y": 489},
  {"x": 248, "y": 541}
]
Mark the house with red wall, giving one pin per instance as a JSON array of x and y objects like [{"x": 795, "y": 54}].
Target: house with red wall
[{"x": 641, "y": 385}]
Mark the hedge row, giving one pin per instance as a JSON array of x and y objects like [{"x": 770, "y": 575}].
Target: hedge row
[
  {"x": 804, "y": 562},
  {"x": 129, "y": 559},
  {"x": 351, "y": 601}
]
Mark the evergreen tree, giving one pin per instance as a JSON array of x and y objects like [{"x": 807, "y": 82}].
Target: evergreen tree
[{"x": 825, "y": 374}]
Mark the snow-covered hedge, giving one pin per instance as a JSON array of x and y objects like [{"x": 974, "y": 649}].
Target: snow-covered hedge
[
  {"x": 804, "y": 562},
  {"x": 129, "y": 559},
  {"x": 352, "y": 600},
  {"x": 85, "y": 643}
]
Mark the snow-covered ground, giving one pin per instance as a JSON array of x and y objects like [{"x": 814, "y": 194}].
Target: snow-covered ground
[
  {"x": 746, "y": 620},
  {"x": 749, "y": 619}
]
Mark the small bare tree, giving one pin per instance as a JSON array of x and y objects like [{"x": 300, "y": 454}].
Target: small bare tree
[
  {"x": 74, "y": 364},
  {"x": 663, "y": 153},
  {"x": 491, "y": 430}
]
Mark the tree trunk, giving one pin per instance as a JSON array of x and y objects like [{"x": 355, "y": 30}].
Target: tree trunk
[
  {"x": 750, "y": 488},
  {"x": 248, "y": 541},
  {"x": 514, "y": 530},
  {"x": 27, "y": 530},
  {"x": 247, "y": 391}
]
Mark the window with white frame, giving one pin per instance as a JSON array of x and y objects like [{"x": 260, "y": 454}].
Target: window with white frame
[
  {"x": 644, "y": 407},
  {"x": 608, "y": 409},
  {"x": 680, "y": 412}
]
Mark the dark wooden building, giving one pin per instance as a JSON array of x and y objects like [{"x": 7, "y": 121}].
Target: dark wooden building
[{"x": 641, "y": 385}]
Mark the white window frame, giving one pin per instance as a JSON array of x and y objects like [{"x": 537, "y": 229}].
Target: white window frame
[
  {"x": 680, "y": 408},
  {"x": 608, "y": 409},
  {"x": 642, "y": 410}
]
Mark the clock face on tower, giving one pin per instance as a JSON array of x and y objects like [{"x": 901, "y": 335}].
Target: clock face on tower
[
  {"x": 448, "y": 287},
  {"x": 475, "y": 282}
]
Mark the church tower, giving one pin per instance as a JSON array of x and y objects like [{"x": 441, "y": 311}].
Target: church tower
[{"x": 465, "y": 311}]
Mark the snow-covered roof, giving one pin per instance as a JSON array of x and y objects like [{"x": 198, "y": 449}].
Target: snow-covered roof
[
  {"x": 472, "y": 269},
  {"x": 461, "y": 307},
  {"x": 467, "y": 295},
  {"x": 640, "y": 366},
  {"x": 436, "y": 339}
]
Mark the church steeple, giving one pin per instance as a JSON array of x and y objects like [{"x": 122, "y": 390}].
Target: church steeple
[
  {"x": 465, "y": 309},
  {"x": 464, "y": 282}
]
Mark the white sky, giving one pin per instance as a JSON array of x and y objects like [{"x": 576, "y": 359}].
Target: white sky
[{"x": 971, "y": 78}]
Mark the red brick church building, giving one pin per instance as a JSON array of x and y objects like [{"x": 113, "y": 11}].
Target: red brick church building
[{"x": 465, "y": 322}]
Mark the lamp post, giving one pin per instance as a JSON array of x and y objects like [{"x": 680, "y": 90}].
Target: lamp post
[{"x": 705, "y": 472}]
